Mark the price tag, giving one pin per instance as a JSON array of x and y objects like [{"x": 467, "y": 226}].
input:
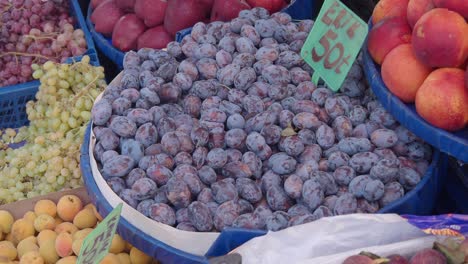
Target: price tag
[
  {"x": 96, "y": 245},
  {"x": 333, "y": 43}
]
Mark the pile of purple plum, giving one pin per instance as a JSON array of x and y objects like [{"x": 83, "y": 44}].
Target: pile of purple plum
[{"x": 226, "y": 129}]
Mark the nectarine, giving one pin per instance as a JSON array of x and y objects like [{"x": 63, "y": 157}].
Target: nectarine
[
  {"x": 417, "y": 8},
  {"x": 389, "y": 8},
  {"x": 442, "y": 99},
  {"x": 440, "y": 38},
  {"x": 386, "y": 35},
  {"x": 395, "y": 68}
]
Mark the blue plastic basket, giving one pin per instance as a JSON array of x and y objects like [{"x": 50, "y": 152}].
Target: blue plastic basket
[
  {"x": 457, "y": 185},
  {"x": 75, "y": 11},
  {"x": 13, "y": 99},
  {"x": 455, "y": 144}
]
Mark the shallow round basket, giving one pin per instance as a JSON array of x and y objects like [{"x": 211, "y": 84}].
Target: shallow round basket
[
  {"x": 452, "y": 143},
  {"x": 171, "y": 245}
]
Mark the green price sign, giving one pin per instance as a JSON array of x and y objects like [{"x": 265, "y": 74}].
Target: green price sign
[
  {"x": 333, "y": 43},
  {"x": 96, "y": 245}
]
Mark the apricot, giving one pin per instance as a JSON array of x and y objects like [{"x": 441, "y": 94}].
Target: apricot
[
  {"x": 26, "y": 246},
  {"x": 22, "y": 229},
  {"x": 395, "y": 68},
  {"x": 96, "y": 213},
  {"x": 9, "y": 237},
  {"x": 58, "y": 220},
  {"x": 44, "y": 221},
  {"x": 7, "y": 250},
  {"x": 68, "y": 206},
  {"x": 48, "y": 252},
  {"x": 30, "y": 216},
  {"x": 85, "y": 219},
  {"x": 461, "y": 7},
  {"x": 32, "y": 257},
  {"x": 31, "y": 239},
  {"x": 386, "y": 35},
  {"x": 440, "y": 38},
  {"x": 81, "y": 234},
  {"x": 117, "y": 244},
  {"x": 417, "y": 8},
  {"x": 128, "y": 247},
  {"x": 124, "y": 258},
  {"x": 138, "y": 257},
  {"x": 76, "y": 245},
  {"x": 66, "y": 227},
  {"x": 6, "y": 221},
  {"x": 442, "y": 99},
  {"x": 45, "y": 207},
  {"x": 46, "y": 235},
  {"x": 63, "y": 244},
  {"x": 110, "y": 259},
  {"x": 389, "y": 8},
  {"x": 67, "y": 260}
]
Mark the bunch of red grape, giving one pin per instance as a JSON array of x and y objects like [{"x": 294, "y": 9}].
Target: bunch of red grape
[{"x": 35, "y": 31}]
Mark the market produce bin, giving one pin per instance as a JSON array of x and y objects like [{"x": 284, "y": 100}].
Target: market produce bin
[
  {"x": 136, "y": 228},
  {"x": 453, "y": 143},
  {"x": 298, "y": 9},
  {"x": 13, "y": 99},
  {"x": 457, "y": 185},
  {"x": 75, "y": 11}
]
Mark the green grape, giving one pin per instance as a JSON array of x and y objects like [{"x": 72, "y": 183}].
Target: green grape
[{"x": 49, "y": 161}]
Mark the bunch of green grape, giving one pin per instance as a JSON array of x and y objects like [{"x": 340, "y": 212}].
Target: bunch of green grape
[{"x": 49, "y": 160}]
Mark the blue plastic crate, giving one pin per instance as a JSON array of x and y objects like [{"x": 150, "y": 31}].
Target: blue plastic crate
[
  {"x": 453, "y": 143},
  {"x": 13, "y": 99}
]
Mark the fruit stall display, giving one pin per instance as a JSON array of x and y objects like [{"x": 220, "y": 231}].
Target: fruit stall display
[
  {"x": 33, "y": 32},
  {"x": 44, "y": 156},
  {"x": 203, "y": 136},
  {"x": 118, "y": 26},
  {"x": 52, "y": 228},
  {"x": 421, "y": 47}
]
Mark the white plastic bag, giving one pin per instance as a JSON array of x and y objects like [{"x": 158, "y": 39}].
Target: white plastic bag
[{"x": 331, "y": 240}]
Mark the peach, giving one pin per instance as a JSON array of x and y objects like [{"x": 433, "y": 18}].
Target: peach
[
  {"x": 46, "y": 235},
  {"x": 124, "y": 258},
  {"x": 76, "y": 245},
  {"x": 67, "y": 260},
  {"x": 138, "y": 257},
  {"x": 85, "y": 219},
  {"x": 461, "y": 7},
  {"x": 66, "y": 227},
  {"x": 7, "y": 250},
  {"x": 389, "y": 8},
  {"x": 117, "y": 244},
  {"x": 48, "y": 252},
  {"x": 110, "y": 259},
  {"x": 81, "y": 234},
  {"x": 442, "y": 99},
  {"x": 45, "y": 207},
  {"x": 68, "y": 206},
  {"x": 22, "y": 229},
  {"x": 440, "y": 38},
  {"x": 63, "y": 244},
  {"x": 6, "y": 221},
  {"x": 44, "y": 221},
  {"x": 33, "y": 257},
  {"x": 417, "y": 8},
  {"x": 30, "y": 216},
  {"x": 386, "y": 35},
  {"x": 26, "y": 246},
  {"x": 395, "y": 68}
]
